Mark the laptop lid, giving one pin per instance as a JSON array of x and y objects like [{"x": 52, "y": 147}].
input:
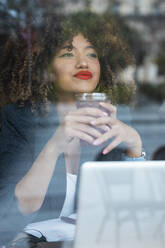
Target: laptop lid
[{"x": 121, "y": 204}]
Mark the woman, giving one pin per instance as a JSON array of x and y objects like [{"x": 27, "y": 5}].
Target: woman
[{"x": 39, "y": 146}]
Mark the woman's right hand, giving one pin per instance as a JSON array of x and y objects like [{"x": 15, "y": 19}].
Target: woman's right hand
[{"x": 76, "y": 124}]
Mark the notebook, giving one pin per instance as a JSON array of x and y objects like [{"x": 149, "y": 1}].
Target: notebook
[{"x": 121, "y": 205}]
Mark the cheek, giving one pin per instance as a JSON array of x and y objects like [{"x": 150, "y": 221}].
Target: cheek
[
  {"x": 58, "y": 70},
  {"x": 97, "y": 70},
  {"x": 61, "y": 71}
]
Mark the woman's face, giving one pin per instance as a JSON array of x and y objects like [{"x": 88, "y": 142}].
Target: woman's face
[{"x": 76, "y": 68}]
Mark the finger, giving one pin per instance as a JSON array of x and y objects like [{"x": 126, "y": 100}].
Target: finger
[
  {"x": 103, "y": 121},
  {"x": 81, "y": 135},
  {"x": 89, "y": 111},
  {"x": 87, "y": 129},
  {"x": 104, "y": 137},
  {"x": 105, "y": 128},
  {"x": 79, "y": 118},
  {"x": 111, "y": 108},
  {"x": 112, "y": 145}
]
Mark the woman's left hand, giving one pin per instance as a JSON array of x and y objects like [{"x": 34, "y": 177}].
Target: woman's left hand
[{"x": 119, "y": 132}]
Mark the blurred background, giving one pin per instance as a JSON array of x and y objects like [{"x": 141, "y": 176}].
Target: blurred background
[{"x": 142, "y": 23}]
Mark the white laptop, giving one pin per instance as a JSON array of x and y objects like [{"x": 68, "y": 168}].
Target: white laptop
[{"x": 121, "y": 205}]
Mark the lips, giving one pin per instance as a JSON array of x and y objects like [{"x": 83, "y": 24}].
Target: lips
[{"x": 85, "y": 75}]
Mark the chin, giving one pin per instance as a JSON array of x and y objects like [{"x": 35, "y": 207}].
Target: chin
[{"x": 85, "y": 90}]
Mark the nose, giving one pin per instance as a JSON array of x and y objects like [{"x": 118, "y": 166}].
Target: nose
[{"x": 81, "y": 62}]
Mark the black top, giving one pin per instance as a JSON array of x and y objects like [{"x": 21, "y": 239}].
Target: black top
[{"x": 22, "y": 138}]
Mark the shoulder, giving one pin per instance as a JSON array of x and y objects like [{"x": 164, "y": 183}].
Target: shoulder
[
  {"x": 13, "y": 111},
  {"x": 17, "y": 121},
  {"x": 22, "y": 121}
]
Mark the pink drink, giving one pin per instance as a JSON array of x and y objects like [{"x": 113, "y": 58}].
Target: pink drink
[{"x": 91, "y": 100}]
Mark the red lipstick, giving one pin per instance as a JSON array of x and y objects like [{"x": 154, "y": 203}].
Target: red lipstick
[{"x": 85, "y": 75}]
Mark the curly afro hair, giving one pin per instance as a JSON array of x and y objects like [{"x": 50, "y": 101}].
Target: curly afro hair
[{"x": 24, "y": 78}]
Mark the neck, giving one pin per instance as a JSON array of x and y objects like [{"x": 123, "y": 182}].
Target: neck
[
  {"x": 65, "y": 104},
  {"x": 65, "y": 97}
]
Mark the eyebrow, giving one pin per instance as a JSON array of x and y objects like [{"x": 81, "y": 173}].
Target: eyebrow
[
  {"x": 90, "y": 47},
  {"x": 67, "y": 47},
  {"x": 71, "y": 47}
]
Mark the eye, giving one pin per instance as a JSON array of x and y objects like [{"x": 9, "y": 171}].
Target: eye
[
  {"x": 67, "y": 55},
  {"x": 93, "y": 55}
]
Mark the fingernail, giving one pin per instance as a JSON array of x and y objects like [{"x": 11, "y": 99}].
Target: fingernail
[
  {"x": 105, "y": 113},
  {"x": 96, "y": 142},
  {"x": 92, "y": 122},
  {"x": 104, "y": 151},
  {"x": 107, "y": 128}
]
